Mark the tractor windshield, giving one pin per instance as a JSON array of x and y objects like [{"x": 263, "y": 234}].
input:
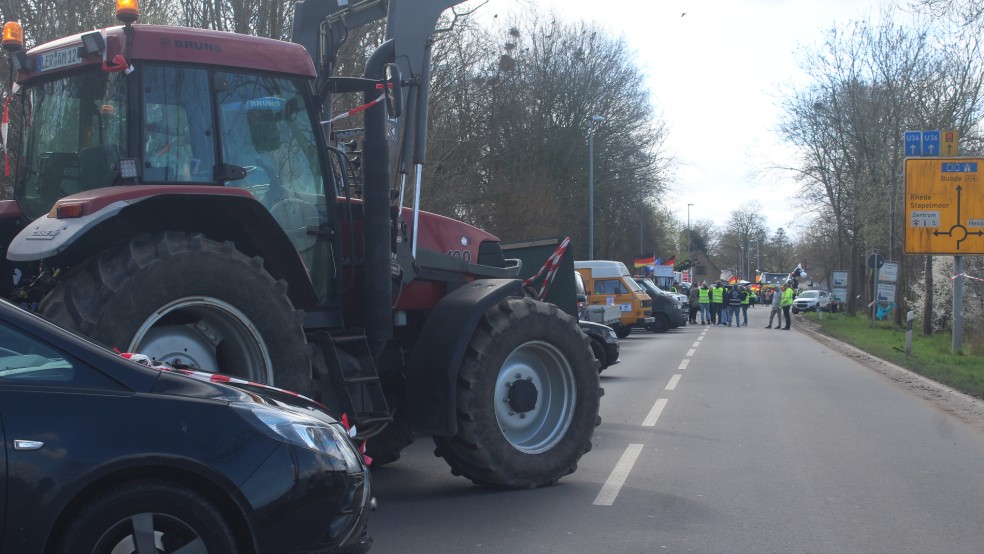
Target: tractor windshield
[{"x": 67, "y": 135}]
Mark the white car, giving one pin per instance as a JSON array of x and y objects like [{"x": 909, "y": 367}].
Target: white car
[{"x": 809, "y": 300}]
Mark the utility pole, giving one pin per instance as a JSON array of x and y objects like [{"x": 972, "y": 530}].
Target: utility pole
[
  {"x": 593, "y": 121},
  {"x": 691, "y": 269}
]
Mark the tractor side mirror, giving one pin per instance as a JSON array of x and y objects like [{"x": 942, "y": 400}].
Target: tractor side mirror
[{"x": 393, "y": 90}]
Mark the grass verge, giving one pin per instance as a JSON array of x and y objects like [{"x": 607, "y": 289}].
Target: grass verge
[{"x": 931, "y": 356}]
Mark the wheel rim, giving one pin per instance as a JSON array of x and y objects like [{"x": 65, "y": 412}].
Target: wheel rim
[
  {"x": 150, "y": 533},
  {"x": 534, "y": 397},
  {"x": 208, "y": 334}
]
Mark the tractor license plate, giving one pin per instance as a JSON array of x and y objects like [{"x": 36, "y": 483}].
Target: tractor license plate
[{"x": 59, "y": 58}]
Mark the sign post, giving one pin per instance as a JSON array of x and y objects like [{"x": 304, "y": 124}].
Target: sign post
[
  {"x": 913, "y": 143},
  {"x": 950, "y": 145},
  {"x": 930, "y": 143},
  {"x": 944, "y": 206},
  {"x": 958, "y": 282},
  {"x": 875, "y": 262},
  {"x": 944, "y": 214}
]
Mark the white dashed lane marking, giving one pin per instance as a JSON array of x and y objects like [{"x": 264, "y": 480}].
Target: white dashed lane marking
[
  {"x": 654, "y": 413},
  {"x": 608, "y": 493},
  {"x": 673, "y": 381}
]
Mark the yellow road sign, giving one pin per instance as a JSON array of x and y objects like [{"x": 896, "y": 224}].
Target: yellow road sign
[
  {"x": 944, "y": 206},
  {"x": 950, "y": 143}
]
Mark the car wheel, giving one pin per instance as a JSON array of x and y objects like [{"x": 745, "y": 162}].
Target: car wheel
[
  {"x": 795, "y": 311},
  {"x": 151, "y": 517},
  {"x": 660, "y": 324},
  {"x": 622, "y": 331}
]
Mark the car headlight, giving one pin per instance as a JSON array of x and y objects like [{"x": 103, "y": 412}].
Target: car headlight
[
  {"x": 612, "y": 337},
  {"x": 303, "y": 431}
]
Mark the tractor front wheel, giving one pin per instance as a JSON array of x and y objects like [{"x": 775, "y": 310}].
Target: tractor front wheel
[
  {"x": 187, "y": 301},
  {"x": 528, "y": 398}
]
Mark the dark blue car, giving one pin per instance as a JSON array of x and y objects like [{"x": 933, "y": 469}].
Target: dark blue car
[{"x": 105, "y": 455}]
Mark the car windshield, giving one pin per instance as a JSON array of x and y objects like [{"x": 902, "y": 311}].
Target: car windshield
[
  {"x": 68, "y": 135},
  {"x": 632, "y": 284},
  {"x": 650, "y": 286},
  {"x": 809, "y": 294}
]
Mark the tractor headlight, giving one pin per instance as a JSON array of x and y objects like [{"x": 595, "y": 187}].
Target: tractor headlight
[{"x": 303, "y": 431}]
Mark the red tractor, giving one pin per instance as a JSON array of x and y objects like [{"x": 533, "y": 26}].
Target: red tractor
[{"x": 181, "y": 193}]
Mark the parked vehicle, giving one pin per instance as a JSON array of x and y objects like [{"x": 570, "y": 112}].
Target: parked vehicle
[
  {"x": 184, "y": 193},
  {"x": 105, "y": 455},
  {"x": 605, "y": 314},
  {"x": 604, "y": 343},
  {"x": 814, "y": 300},
  {"x": 669, "y": 312},
  {"x": 610, "y": 283}
]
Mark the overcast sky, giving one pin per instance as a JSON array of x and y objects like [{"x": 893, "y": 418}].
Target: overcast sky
[{"x": 715, "y": 69}]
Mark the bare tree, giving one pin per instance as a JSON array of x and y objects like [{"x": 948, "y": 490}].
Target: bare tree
[
  {"x": 509, "y": 135},
  {"x": 870, "y": 83}
]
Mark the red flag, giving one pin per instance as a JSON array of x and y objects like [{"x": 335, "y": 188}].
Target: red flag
[{"x": 670, "y": 261}]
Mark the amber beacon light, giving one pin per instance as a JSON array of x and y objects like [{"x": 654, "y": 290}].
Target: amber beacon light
[
  {"x": 13, "y": 36},
  {"x": 127, "y": 11}
]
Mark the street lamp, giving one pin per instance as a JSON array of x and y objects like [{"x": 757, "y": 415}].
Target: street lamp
[
  {"x": 593, "y": 122},
  {"x": 691, "y": 269}
]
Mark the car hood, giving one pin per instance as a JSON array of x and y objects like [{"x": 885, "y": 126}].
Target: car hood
[
  {"x": 593, "y": 327},
  {"x": 223, "y": 388}
]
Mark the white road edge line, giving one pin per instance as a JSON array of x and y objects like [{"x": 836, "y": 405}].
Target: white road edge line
[
  {"x": 683, "y": 364},
  {"x": 606, "y": 497},
  {"x": 654, "y": 413},
  {"x": 673, "y": 381}
]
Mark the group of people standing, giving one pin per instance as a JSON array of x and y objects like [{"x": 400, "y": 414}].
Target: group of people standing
[
  {"x": 723, "y": 304},
  {"x": 720, "y": 304}
]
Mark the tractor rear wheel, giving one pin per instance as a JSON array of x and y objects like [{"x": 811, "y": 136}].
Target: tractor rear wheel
[
  {"x": 528, "y": 398},
  {"x": 189, "y": 301}
]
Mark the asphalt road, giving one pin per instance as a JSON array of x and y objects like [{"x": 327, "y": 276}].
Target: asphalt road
[{"x": 719, "y": 439}]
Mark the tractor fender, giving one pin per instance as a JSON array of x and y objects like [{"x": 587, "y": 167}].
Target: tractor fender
[
  {"x": 432, "y": 370},
  {"x": 112, "y": 215}
]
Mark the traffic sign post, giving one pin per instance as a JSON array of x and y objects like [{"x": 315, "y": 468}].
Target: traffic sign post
[
  {"x": 944, "y": 214},
  {"x": 944, "y": 206},
  {"x": 950, "y": 146},
  {"x": 913, "y": 143},
  {"x": 930, "y": 143},
  {"x": 875, "y": 262}
]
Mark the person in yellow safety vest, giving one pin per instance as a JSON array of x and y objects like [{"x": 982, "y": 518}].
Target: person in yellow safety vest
[
  {"x": 786, "y": 303},
  {"x": 705, "y": 304},
  {"x": 746, "y": 296},
  {"x": 717, "y": 304}
]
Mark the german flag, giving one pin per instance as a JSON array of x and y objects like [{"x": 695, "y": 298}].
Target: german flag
[
  {"x": 733, "y": 280},
  {"x": 670, "y": 261},
  {"x": 643, "y": 262}
]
